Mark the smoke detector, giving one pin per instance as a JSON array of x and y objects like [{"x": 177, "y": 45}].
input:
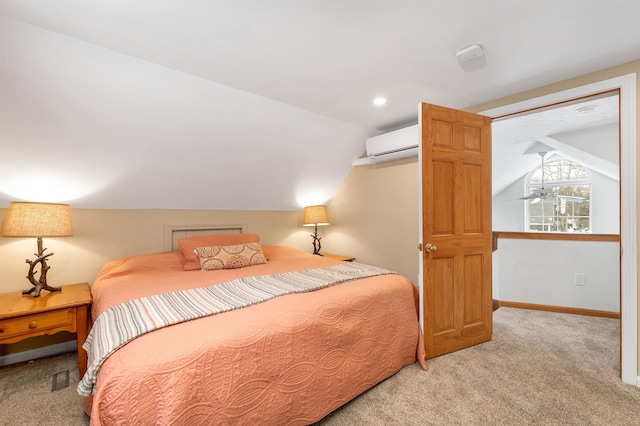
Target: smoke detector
[{"x": 470, "y": 53}]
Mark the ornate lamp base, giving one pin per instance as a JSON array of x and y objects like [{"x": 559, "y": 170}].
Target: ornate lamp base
[
  {"x": 316, "y": 242},
  {"x": 40, "y": 284},
  {"x": 39, "y": 287}
]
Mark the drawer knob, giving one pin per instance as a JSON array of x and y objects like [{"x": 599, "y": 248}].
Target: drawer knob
[{"x": 33, "y": 324}]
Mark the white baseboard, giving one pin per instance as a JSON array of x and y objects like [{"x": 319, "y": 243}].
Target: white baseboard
[{"x": 45, "y": 351}]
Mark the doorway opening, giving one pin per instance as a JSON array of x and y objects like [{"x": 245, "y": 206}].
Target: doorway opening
[
  {"x": 628, "y": 214},
  {"x": 560, "y": 249}
]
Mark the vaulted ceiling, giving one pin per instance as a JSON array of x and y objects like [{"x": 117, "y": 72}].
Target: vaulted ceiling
[
  {"x": 237, "y": 104},
  {"x": 585, "y": 131}
]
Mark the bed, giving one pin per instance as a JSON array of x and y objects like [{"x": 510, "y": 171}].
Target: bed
[{"x": 289, "y": 360}]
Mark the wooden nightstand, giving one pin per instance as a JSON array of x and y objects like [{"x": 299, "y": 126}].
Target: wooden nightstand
[
  {"x": 338, "y": 257},
  {"x": 23, "y": 316}
]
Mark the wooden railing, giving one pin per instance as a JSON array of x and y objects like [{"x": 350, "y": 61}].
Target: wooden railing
[{"x": 569, "y": 236}]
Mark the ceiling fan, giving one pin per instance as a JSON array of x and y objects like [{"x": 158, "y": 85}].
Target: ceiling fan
[{"x": 546, "y": 194}]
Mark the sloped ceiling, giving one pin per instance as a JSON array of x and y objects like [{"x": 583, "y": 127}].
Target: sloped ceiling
[
  {"x": 252, "y": 104},
  {"x": 564, "y": 131}
]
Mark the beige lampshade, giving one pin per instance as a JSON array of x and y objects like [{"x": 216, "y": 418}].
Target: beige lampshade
[
  {"x": 25, "y": 219},
  {"x": 315, "y": 215}
]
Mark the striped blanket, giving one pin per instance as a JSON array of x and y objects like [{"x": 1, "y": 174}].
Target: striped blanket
[{"x": 120, "y": 324}]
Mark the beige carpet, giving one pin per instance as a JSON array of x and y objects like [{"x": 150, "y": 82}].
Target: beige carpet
[
  {"x": 540, "y": 369},
  {"x": 26, "y": 398}
]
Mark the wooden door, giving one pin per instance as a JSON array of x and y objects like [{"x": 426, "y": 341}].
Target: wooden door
[{"x": 456, "y": 229}]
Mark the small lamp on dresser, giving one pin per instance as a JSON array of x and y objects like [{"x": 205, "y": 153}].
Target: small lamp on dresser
[
  {"x": 28, "y": 219},
  {"x": 315, "y": 216}
]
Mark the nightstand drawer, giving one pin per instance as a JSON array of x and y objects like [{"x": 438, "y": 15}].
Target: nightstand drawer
[{"x": 36, "y": 324}]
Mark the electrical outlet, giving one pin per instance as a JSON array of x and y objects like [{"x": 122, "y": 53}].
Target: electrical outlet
[{"x": 579, "y": 279}]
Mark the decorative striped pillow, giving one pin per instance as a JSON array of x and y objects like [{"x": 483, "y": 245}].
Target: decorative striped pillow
[{"x": 230, "y": 257}]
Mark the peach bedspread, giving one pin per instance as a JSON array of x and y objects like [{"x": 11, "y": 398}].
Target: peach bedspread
[{"x": 291, "y": 360}]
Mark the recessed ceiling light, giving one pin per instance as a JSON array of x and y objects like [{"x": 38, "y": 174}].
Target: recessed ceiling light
[{"x": 379, "y": 101}]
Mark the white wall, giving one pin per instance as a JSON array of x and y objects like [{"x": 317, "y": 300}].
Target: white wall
[
  {"x": 516, "y": 264},
  {"x": 507, "y": 210},
  {"x": 543, "y": 272},
  {"x": 601, "y": 141},
  {"x": 605, "y": 204}
]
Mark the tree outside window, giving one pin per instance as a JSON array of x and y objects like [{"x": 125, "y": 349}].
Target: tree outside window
[{"x": 556, "y": 214}]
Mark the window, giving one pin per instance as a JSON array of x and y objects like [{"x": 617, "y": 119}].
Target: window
[{"x": 555, "y": 213}]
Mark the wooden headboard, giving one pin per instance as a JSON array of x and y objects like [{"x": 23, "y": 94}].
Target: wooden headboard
[{"x": 172, "y": 233}]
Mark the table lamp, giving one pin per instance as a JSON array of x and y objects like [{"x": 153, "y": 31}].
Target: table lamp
[
  {"x": 27, "y": 219},
  {"x": 315, "y": 216}
]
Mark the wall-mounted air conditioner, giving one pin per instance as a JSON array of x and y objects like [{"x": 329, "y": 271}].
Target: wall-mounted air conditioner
[{"x": 402, "y": 143}]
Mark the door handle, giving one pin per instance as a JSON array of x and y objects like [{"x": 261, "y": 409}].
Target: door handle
[{"x": 430, "y": 247}]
